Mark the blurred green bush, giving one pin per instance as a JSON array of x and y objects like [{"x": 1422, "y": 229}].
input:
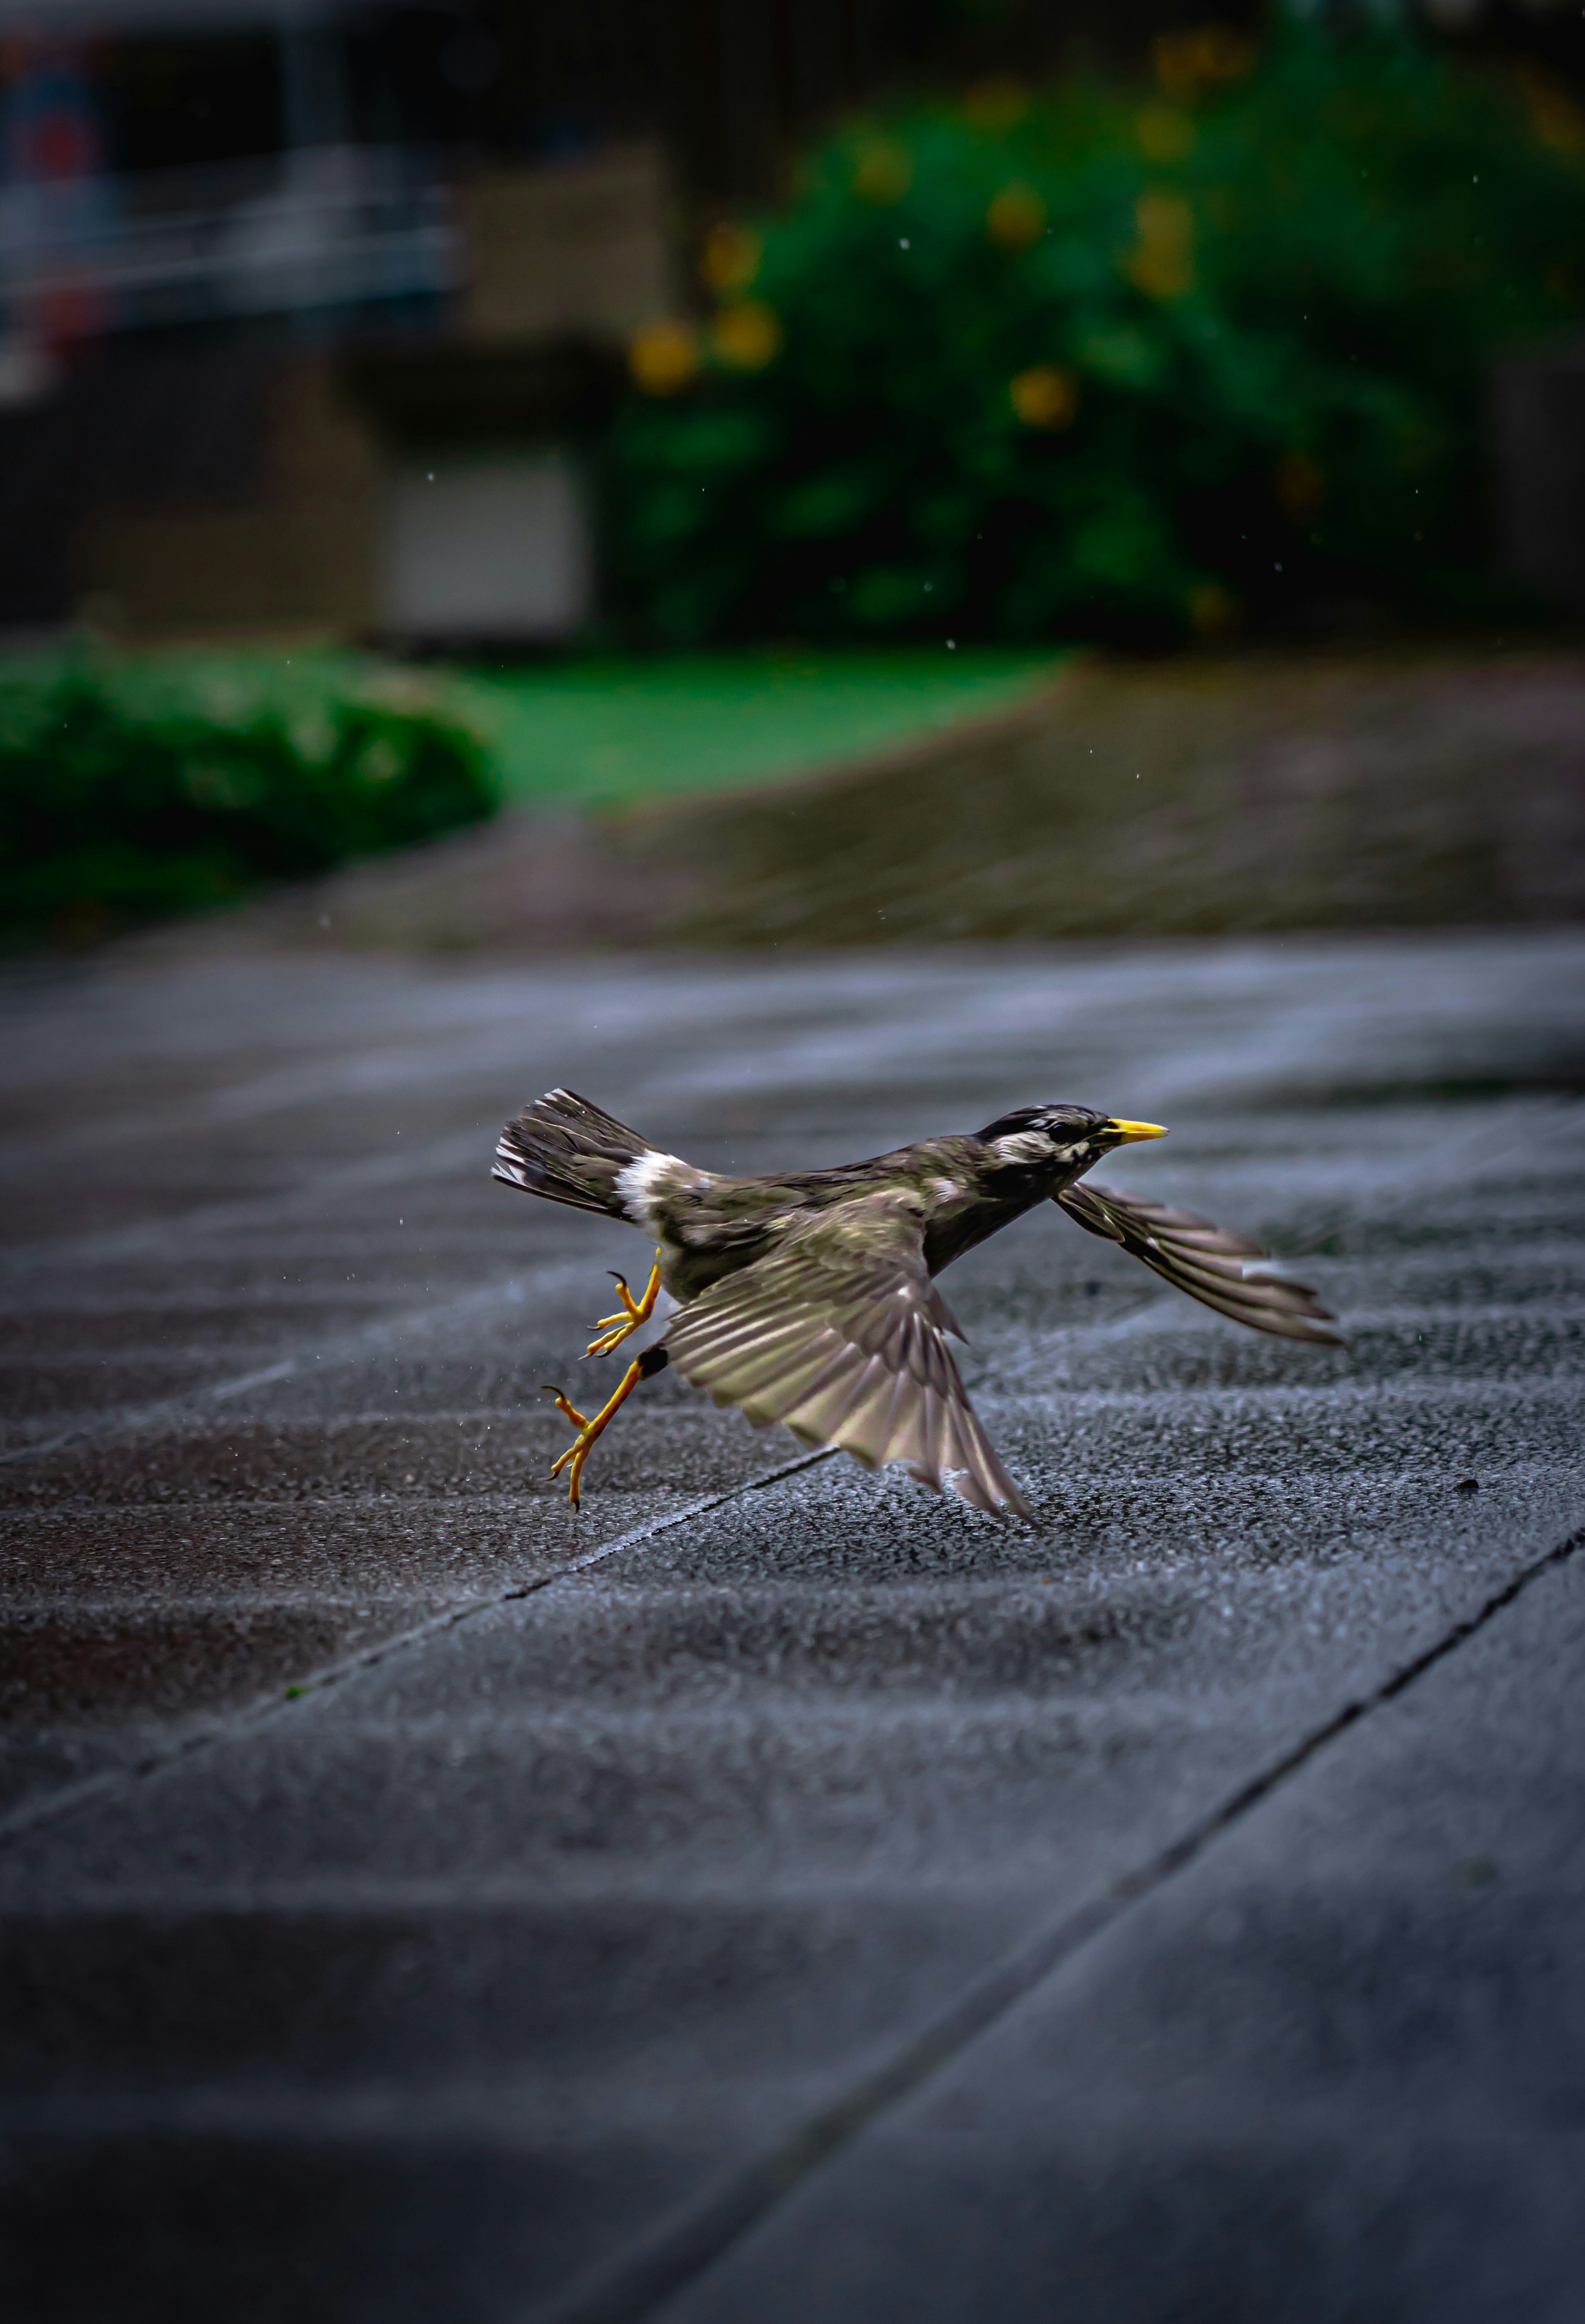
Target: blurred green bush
[
  {"x": 1111, "y": 361},
  {"x": 131, "y": 787}
]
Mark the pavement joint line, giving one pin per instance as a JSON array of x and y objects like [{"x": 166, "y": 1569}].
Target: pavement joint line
[
  {"x": 630, "y": 2289},
  {"x": 32, "y": 1815},
  {"x": 133, "y": 1416},
  {"x": 339, "y": 1348},
  {"x": 149, "y": 1237}
]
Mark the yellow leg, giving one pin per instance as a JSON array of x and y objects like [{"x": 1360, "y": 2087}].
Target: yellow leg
[
  {"x": 610, "y": 1331},
  {"x": 582, "y": 1443}
]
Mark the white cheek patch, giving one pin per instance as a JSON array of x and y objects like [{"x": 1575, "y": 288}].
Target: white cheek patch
[
  {"x": 641, "y": 1184},
  {"x": 1024, "y": 1146}
]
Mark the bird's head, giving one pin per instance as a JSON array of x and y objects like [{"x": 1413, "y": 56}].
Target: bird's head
[{"x": 1066, "y": 1137}]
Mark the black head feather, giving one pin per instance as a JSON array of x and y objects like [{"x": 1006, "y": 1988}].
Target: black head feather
[{"x": 1064, "y": 1123}]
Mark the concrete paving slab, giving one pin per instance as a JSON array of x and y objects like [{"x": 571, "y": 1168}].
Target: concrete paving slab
[
  {"x": 1335, "y": 2067},
  {"x": 413, "y": 1902}
]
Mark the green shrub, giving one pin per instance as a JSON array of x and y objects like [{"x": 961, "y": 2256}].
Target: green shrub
[
  {"x": 1110, "y": 361},
  {"x": 135, "y": 787}
]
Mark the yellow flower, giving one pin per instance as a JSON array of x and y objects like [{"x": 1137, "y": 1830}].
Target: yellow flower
[
  {"x": 883, "y": 171},
  {"x": 1187, "y": 62},
  {"x": 1300, "y": 486},
  {"x": 747, "y": 335},
  {"x": 1214, "y": 612},
  {"x": 1017, "y": 217},
  {"x": 1554, "y": 116},
  {"x": 663, "y": 357},
  {"x": 1163, "y": 266},
  {"x": 731, "y": 257},
  {"x": 1165, "y": 134},
  {"x": 996, "y": 103},
  {"x": 1044, "y": 397}
]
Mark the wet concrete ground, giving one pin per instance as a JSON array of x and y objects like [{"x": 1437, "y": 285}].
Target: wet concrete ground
[{"x": 784, "y": 1892}]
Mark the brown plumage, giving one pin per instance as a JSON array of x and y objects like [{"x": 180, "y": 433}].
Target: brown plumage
[{"x": 810, "y": 1298}]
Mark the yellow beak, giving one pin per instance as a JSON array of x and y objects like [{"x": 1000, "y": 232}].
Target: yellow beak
[{"x": 1125, "y": 1132}]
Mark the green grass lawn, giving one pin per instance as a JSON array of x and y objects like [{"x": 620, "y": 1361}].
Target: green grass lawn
[
  {"x": 610, "y": 731},
  {"x": 141, "y": 783}
]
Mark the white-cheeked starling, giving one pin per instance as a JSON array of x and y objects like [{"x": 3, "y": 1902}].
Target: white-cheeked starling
[{"x": 809, "y": 1298}]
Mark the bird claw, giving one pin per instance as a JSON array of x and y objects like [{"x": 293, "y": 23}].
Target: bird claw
[
  {"x": 579, "y": 1444},
  {"x": 589, "y": 1427},
  {"x": 586, "y": 1433},
  {"x": 610, "y": 1331},
  {"x": 567, "y": 1410}
]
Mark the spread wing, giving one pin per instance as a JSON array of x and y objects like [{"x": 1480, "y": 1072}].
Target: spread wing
[
  {"x": 840, "y": 1334},
  {"x": 1206, "y": 1262}
]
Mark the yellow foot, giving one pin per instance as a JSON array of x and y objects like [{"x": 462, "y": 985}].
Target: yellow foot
[
  {"x": 610, "y": 1331},
  {"x": 644, "y": 1367}
]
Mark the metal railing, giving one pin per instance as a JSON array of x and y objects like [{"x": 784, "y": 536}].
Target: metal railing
[{"x": 318, "y": 227}]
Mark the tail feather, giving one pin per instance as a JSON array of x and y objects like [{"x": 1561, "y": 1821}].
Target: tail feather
[{"x": 569, "y": 1151}]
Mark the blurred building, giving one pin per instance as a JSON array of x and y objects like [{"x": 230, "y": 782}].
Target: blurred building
[{"x": 286, "y": 344}]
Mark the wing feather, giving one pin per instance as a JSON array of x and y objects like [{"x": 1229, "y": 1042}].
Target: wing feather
[
  {"x": 839, "y": 1333},
  {"x": 1209, "y": 1262}
]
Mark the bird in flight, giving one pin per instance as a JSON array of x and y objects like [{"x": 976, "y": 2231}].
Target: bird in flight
[{"x": 810, "y": 1297}]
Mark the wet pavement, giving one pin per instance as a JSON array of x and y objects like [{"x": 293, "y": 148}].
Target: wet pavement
[{"x": 782, "y": 1892}]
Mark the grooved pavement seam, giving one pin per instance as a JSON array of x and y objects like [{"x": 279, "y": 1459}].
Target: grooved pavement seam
[
  {"x": 671, "y": 2258},
  {"x": 57, "y": 1805},
  {"x": 339, "y": 1348}
]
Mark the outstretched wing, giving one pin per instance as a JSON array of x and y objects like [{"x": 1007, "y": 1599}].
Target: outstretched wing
[
  {"x": 840, "y": 1334},
  {"x": 1206, "y": 1262}
]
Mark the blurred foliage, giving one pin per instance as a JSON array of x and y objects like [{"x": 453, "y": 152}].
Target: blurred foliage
[
  {"x": 1111, "y": 361},
  {"x": 132, "y": 788}
]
